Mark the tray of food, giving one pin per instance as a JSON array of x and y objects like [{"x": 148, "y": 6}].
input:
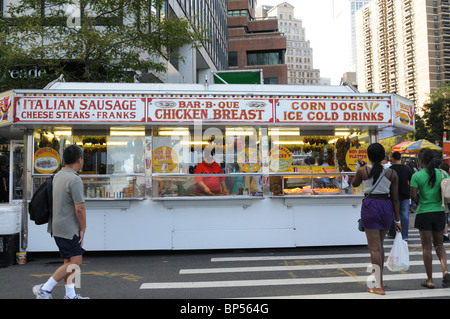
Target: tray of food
[
  {"x": 327, "y": 191},
  {"x": 307, "y": 190}
]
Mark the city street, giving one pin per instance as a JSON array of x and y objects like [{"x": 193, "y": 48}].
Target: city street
[
  {"x": 323, "y": 273},
  {"x": 181, "y": 133}
]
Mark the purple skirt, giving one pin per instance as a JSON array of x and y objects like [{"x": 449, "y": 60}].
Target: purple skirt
[{"x": 377, "y": 214}]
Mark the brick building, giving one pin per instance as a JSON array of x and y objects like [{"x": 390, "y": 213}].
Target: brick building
[{"x": 255, "y": 43}]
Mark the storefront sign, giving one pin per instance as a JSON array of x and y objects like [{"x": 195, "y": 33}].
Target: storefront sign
[
  {"x": 26, "y": 73},
  {"x": 215, "y": 109},
  {"x": 333, "y": 110},
  {"x": 46, "y": 160},
  {"x": 5, "y": 108},
  {"x": 80, "y": 108}
]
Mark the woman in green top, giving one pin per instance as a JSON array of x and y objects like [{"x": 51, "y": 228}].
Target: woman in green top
[{"x": 430, "y": 217}]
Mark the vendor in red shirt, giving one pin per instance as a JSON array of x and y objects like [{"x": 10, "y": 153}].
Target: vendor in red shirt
[{"x": 210, "y": 185}]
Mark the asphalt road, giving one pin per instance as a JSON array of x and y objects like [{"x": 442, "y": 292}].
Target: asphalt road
[{"x": 220, "y": 278}]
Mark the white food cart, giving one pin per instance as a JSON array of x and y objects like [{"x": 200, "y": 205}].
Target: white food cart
[{"x": 143, "y": 144}]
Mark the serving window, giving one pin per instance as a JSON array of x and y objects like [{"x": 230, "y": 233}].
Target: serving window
[
  {"x": 315, "y": 162},
  {"x": 113, "y": 165},
  {"x": 178, "y": 161},
  {"x": 277, "y": 161},
  {"x": 206, "y": 161}
]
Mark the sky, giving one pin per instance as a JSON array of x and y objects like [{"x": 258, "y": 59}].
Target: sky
[{"x": 327, "y": 27}]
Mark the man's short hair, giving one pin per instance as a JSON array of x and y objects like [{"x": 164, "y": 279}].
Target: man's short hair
[
  {"x": 396, "y": 156},
  {"x": 72, "y": 153}
]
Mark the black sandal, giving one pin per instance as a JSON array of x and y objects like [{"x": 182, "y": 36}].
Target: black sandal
[
  {"x": 446, "y": 281},
  {"x": 426, "y": 285}
]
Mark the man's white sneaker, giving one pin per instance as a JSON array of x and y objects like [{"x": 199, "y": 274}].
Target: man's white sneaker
[
  {"x": 77, "y": 296},
  {"x": 40, "y": 293}
]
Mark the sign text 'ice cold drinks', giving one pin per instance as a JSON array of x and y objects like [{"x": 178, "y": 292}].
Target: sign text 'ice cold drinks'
[{"x": 333, "y": 111}]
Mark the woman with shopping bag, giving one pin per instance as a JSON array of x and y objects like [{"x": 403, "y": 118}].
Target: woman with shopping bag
[
  {"x": 379, "y": 207},
  {"x": 398, "y": 259},
  {"x": 430, "y": 216}
]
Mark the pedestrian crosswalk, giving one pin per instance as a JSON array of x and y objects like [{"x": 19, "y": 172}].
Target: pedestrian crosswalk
[{"x": 340, "y": 275}]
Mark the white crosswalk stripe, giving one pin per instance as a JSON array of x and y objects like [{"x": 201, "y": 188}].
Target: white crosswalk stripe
[
  {"x": 273, "y": 282},
  {"x": 240, "y": 265},
  {"x": 286, "y": 268},
  {"x": 407, "y": 294}
]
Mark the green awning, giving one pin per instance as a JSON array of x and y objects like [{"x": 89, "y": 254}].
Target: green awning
[{"x": 238, "y": 77}]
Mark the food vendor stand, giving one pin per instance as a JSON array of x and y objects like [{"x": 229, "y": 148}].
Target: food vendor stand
[{"x": 143, "y": 142}]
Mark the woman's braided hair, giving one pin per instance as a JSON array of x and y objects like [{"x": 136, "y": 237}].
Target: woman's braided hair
[{"x": 376, "y": 154}]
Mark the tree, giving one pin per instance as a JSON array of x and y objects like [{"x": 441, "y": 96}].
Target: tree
[
  {"x": 422, "y": 130},
  {"x": 103, "y": 40},
  {"x": 436, "y": 116}
]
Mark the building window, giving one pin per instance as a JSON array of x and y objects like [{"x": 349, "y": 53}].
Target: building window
[
  {"x": 238, "y": 13},
  {"x": 232, "y": 58},
  {"x": 264, "y": 58},
  {"x": 270, "y": 80}
]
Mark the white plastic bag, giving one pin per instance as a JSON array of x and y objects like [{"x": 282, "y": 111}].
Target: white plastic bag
[{"x": 398, "y": 259}]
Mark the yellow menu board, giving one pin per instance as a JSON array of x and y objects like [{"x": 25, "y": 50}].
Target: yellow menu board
[
  {"x": 353, "y": 154},
  {"x": 164, "y": 159},
  {"x": 46, "y": 160},
  {"x": 249, "y": 160},
  {"x": 316, "y": 169},
  {"x": 280, "y": 159}
]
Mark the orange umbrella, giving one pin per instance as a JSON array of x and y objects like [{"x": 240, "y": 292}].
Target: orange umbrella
[{"x": 398, "y": 147}]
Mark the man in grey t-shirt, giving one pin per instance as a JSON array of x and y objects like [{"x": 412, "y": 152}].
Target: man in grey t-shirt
[{"x": 67, "y": 224}]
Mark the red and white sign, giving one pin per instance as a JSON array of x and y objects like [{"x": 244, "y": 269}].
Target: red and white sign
[
  {"x": 333, "y": 110},
  {"x": 80, "y": 108},
  {"x": 214, "y": 109},
  {"x": 208, "y": 108}
]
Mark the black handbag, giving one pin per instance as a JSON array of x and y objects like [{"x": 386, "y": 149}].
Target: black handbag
[{"x": 360, "y": 226}]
